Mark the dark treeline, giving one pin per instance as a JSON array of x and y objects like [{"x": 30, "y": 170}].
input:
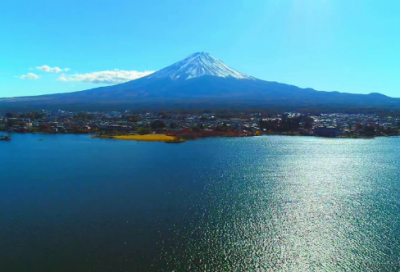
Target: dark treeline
[{"x": 287, "y": 124}]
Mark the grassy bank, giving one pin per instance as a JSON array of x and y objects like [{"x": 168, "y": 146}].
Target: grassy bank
[{"x": 146, "y": 138}]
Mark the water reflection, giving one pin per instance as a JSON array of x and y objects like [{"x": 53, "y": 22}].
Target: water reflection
[{"x": 298, "y": 206}]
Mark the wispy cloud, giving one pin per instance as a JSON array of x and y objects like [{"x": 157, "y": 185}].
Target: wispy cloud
[
  {"x": 106, "y": 77},
  {"x": 30, "y": 76},
  {"x": 48, "y": 69},
  {"x": 63, "y": 78}
]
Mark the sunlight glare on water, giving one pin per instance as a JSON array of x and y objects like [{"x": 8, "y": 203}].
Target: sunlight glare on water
[
  {"x": 229, "y": 204},
  {"x": 285, "y": 204}
]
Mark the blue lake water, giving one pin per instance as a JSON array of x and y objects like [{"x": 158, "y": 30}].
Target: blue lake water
[{"x": 72, "y": 203}]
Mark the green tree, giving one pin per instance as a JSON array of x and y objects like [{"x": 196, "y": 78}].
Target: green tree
[
  {"x": 308, "y": 123},
  {"x": 157, "y": 124},
  {"x": 164, "y": 114},
  {"x": 196, "y": 129},
  {"x": 359, "y": 126},
  {"x": 12, "y": 122},
  {"x": 144, "y": 130},
  {"x": 369, "y": 131},
  {"x": 11, "y": 115}
]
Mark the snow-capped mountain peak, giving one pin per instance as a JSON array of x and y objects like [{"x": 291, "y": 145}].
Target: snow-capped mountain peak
[{"x": 197, "y": 65}]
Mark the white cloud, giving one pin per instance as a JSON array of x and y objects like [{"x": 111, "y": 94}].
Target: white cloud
[
  {"x": 67, "y": 69},
  {"x": 48, "y": 69},
  {"x": 31, "y": 76},
  {"x": 106, "y": 77},
  {"x": 63, "y": 78}
]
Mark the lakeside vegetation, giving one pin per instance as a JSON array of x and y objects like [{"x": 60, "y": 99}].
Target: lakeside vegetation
[{"x": 138, "y": 137}]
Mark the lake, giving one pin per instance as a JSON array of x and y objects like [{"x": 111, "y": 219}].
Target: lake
[{"x": 70, "y": 203}]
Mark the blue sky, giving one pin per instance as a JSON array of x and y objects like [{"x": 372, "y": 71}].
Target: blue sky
[{"x": 331, "y": 45}]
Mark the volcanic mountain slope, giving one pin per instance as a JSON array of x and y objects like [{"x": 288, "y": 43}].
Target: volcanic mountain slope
[
  {"x": 197, "y": 65},
  {"x": 202, "y": 81}
]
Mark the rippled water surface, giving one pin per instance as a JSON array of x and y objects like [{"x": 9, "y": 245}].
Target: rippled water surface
[{"x": 71, "y": 203}]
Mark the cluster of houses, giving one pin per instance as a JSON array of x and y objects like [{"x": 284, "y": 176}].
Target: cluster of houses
[
  {"x": 89, "y": 122},
  {"x": 201, "y": 124},
  {"x": 337, "y": 124}
]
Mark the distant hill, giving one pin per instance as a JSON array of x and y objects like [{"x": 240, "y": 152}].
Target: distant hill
[{"x": 200, "y": 81}]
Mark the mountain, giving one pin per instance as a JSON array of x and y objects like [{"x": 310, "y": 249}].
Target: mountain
[
  {"x": 202, "y": 81},
  {"x": 197, "y": 65}
]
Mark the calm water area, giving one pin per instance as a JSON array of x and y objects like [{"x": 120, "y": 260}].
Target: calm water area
[{"x": 70, "y": 203}]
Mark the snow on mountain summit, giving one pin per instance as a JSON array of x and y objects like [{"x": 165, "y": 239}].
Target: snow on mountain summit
[{"x": 196, "y": 65}]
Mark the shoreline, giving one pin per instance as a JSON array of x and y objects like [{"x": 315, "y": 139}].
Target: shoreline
[
  {"x": 174, "y": 139},
  {"x": 141, "y": 138}
]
